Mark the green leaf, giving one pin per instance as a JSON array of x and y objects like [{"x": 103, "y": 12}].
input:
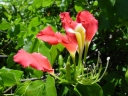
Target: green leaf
[
  {"x": 10, "y": 62},
  {"x": 27, "y": 46},
  {"x": 50, "y": 86},
  {"x": 89, "y": 90},
  {"x": 30, "y": 88},
  {"x": 36, "y": 3},
  {"x": 1, "y": 83},
  {"x": 121, "y": 8},
  {"x": 16, "y": 29},
  {"x": 35, "y": 21},
  {"x": 10, "y": 77},
  {"x": 126, "y": 75},
  {"x": 58, "y": 2},
  {"x": 46, "y": 3},
  {"x": 38, "y": 73},
  {"x": 5, "y": 25},
  {"x": 113, "y": 2},
  {"x": 109, "y": 89},
  {"x": 63, "y": 92},
  {"x": 79, "y": 6},
  {"x": 43, "y": 48},
  {"x": 54, "y": 51}
]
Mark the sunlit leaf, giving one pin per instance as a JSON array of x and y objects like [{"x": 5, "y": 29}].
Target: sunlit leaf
[
  {"x": 5, "y": 25},
  {"x": 50, "y": 86},
  {"x": 29, "y": 88},
  {"x": 46, "y": 3},
  {"x": 10, "y": 77}
]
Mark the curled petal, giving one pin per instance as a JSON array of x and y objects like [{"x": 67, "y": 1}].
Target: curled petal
[
  {"x": 48, "y": 35},
  {"x": 89, "y": 23},
  {"x": 35, "y": 60},
  {"x": 67, "y": 22}
]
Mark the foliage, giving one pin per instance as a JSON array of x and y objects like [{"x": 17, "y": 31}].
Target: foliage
[{"x": 21, "y": 20}]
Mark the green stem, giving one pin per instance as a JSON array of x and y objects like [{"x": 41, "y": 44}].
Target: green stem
[
  {"x": 68, "y": 74},
  {"x": 80, "y": 66},
  {"x": 59, "y": 78},
  {"x": 74, "y": 62},
  {"x": 85, "y": 54},
  {"x": 86, "y": 51}
]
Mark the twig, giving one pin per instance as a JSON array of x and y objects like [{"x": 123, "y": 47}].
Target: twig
[
  {"x": 6, "y": 45},
  {"x": 31, "y": 79},
  {"x": 91, "y": 54},
  {"x": 7, "y": 89},
  {"x": 3, "y": 56}
]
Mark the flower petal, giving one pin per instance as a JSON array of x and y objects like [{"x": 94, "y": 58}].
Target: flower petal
[
  {"x": 70, "y": 44},
  {"x": 89, "y": 23},
  {"x": 35, "y": 60},
  {"x": 67, "y": 22},
  {"x": 48, "y": 35}
]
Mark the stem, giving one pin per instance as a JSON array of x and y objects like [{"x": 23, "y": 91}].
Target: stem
[
  {"x": 80, "y": 67},
  {"x": 86, "y": 51},
  {"x": 8, "y": 94},
  {"x": 58, "y": 78},
  {"x": 68, "y": 74},
  {"x": 73, "y": 59}
]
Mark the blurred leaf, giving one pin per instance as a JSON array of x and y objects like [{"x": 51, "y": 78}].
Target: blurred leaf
[
  {"x": 5, "y": 25},
  {"x": 108, "y": 89},
  {"x": 10, "y": 77},
  {"x": 126, "y": 75},
  {"x": 79, "y": 6},
  {"x": 30, "y": 88},
  {"x": 35, "y": 21},
  {"x": 113, "y": 2},
  {"x": 1, "y": 83},
  {"x": 63, "y": 92},
  {"x": 90, "y": 90},
  {"x": 38, "y": 73},
  {"x": 27, "y": 46},
  {"x": 58, "y": 2},
  {"x": 121, "y": 8},
  {"x": 46, "y": 3},
  {"x": 16, "y": 29},
  {"x": 50, "y": 86},
  {"x": 95, "y": 3},
  {"x": 36, "y": 3},
  {"x": 10, "y": 62},
  {"x": 54, "y": 51}
]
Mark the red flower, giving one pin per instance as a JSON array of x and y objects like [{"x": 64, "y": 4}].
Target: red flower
[
  {"x": 35, "y": 60},
  {"x": 85, "y": 18},
  {"x": 68, "y": 40},
  {"x": 89, "y": 22}
]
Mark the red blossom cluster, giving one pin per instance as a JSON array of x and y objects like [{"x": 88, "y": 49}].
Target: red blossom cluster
[{"x": 84, "y": 19}]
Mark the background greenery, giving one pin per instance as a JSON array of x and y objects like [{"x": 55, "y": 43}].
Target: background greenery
[{"x": 21, "y": 20}]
